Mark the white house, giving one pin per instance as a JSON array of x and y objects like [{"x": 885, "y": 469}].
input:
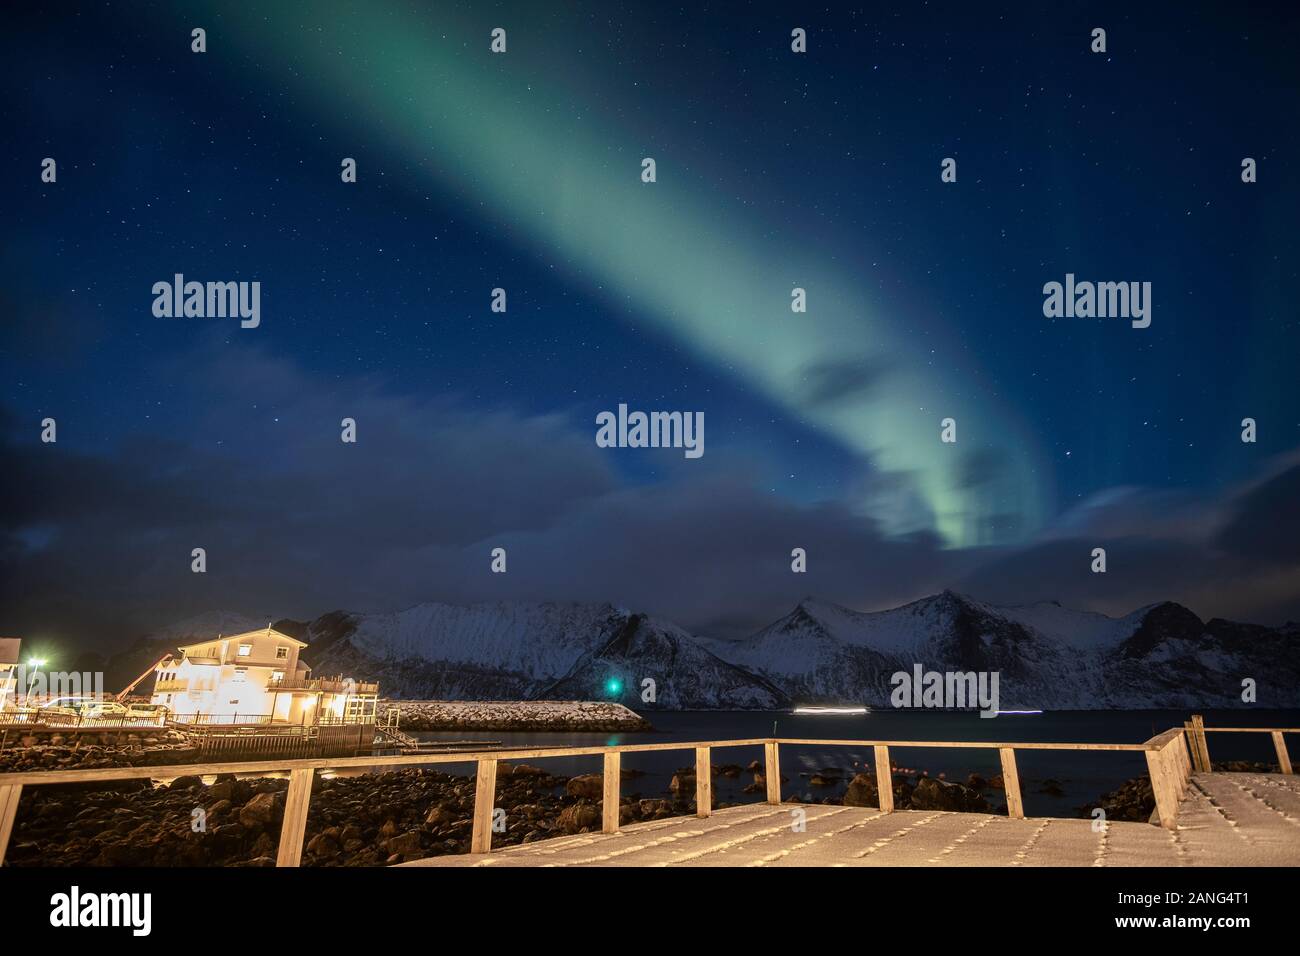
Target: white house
[
  {"x": 9, "y": 647},
  {"x": 256, "y": 678}
]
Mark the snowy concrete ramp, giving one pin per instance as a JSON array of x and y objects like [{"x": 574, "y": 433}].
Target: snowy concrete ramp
[{"x": 1225, "y": 819}]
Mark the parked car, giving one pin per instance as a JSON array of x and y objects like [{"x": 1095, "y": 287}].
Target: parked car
[
  {"x": 101, "y": 709},
  {"x": 60, "y": 707},
  {"x": 156, "y": 712}
]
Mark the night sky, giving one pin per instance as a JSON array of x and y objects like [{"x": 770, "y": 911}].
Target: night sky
[{"x": 522, "y": 170}]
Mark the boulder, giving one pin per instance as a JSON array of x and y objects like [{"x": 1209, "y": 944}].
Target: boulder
[
  {"x": 589, "y": 786},
  {"x": 932, "y": 794},
  {"x": 258, "y": 811},
  {"x": 576, "y": 818},
  {"x": 862, "y": 792}
]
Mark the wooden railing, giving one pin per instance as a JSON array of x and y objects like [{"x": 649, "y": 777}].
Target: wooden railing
[
  {"x": 1196, "y": 730},
  {"x": 1168, "y": 762}
]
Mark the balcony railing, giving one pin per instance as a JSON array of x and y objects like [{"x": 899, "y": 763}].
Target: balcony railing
[{"x": 323, "y": 685}]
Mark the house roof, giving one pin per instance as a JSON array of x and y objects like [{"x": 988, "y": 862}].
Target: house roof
[
  {"x": 260, "y": 632},
  {"x": 9, "y": 650}
]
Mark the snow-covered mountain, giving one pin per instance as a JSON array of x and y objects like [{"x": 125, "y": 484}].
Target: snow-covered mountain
[
  {"x": 1047, "y": 656},
  {"x": 532, "y": 651}
]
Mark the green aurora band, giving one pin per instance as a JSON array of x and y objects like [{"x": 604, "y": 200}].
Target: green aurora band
[{"x": 509, "y": 142}]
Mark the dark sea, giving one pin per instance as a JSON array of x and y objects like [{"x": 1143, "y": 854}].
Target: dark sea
[{"x": 1080, "y": 776}]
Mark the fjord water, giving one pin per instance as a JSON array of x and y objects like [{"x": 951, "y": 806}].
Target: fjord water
[{"x": 1082, "y": 776}]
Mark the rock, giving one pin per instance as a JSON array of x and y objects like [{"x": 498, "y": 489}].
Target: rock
[
  {"x": 590, "y": 786},
  {"x": 577, "y": 818},
  {"x": 439, "y": 816},
  {"x": 862, "y": 792},
  {"x": 820, "y": 781},
  {"x": 932, "y": 794},
  {"x": 976, "y": 782},
  {"x": 223, "y": 789},
  {"x": 408, "y": 844},
  {"x": 264, "y": 845},
  {"x": 323, "y": 845},
  {"x": 185, "y": 783},
  {"x": 258, "y": 811},
  {"x": 682, "y": 783}
]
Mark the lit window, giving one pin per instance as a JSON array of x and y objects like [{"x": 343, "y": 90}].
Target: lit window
[
  {"x": 282, "y": 653},
  {"x": 277, "y": 676},
  {"x": 245, "y": 650}
]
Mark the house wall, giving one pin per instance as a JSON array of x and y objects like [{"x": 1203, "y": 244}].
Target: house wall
[{"x": 223, "y": 680}]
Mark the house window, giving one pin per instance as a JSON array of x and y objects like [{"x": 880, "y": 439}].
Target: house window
[
  {"x": 245, "y": 650},
  {"x": 282, "y": 653},
  {"x": 277, "y": 676}
]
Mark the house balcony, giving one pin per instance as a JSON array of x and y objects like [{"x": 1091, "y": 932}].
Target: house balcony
[
  {"x": 323, "y": 686},
  {"x": 203, "y": 658}
]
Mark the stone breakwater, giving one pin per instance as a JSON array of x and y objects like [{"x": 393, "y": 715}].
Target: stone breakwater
[{"x": 525, "y": 715}]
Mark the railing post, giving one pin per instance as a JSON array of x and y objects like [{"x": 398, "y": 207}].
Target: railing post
[
  {"x": 294, "y": 827},
  {"x": 8, "y": 811},
  {"x": 1283, "y": 758},
  {"x": 485, "y": 791},
  {"x": 1190, "y": 733},
  {"x": 1198, "y": 729},
  {"x": 1184, "y": 764},
  {"x": 703, "y": 782},
  {"x": 1011, "y": 783},
  {"x": 772, "y": 771},
  {"x": 884, "y": 780},
  {"x": 1162, "y": 787},
  {"x": 609, "y": 798}
]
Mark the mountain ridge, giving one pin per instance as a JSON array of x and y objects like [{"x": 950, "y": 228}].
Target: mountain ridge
[{"x": 1047, "y": 656}]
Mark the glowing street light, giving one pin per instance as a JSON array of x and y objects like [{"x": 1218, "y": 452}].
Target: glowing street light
[{"x": 36, "y": 663}]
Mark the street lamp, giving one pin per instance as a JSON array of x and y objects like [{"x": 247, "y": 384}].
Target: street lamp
[{"x": 36, "y": 663}]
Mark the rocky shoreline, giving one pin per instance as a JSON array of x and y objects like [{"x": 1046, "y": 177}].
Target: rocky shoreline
[{"x": 72, "y": 751}]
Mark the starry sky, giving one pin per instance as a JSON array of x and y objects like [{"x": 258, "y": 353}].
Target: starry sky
[{"x": 521, "y": 170}]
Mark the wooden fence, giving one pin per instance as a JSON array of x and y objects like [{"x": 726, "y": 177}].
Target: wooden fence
[{"x": 1169, "y": 762}]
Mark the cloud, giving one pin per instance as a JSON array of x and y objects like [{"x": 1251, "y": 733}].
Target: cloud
[
  {"x": 95, "y": 545},
  {"x": 1234, "y": 555}
]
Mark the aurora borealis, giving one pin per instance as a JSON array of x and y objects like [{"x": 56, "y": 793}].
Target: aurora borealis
[{"x": 775, "y": 171}]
